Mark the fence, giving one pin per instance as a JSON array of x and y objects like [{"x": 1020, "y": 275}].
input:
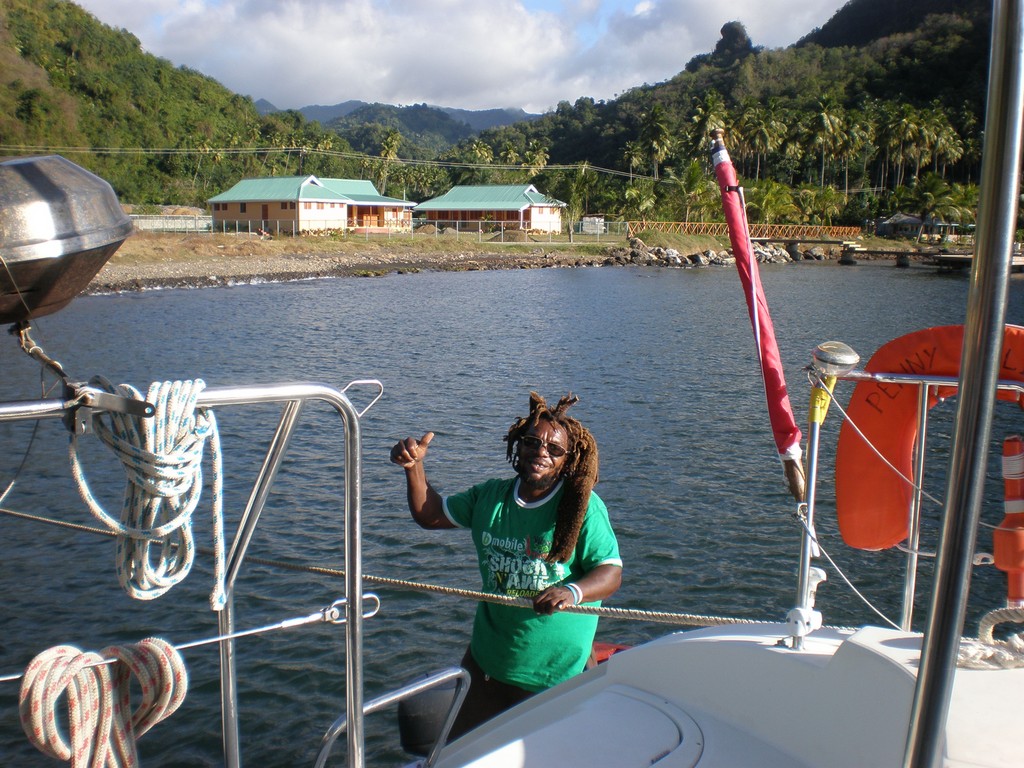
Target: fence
[
  {"x": 158, "y": 223},
  {"x": 476, "y": 231},
  {"x": 798, "y": 232}
]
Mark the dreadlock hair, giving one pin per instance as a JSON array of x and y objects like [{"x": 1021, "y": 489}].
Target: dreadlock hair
[{"x": 579, "y": 474}]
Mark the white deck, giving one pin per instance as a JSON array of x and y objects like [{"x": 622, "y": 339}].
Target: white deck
[{"x": 722, "y": 698}]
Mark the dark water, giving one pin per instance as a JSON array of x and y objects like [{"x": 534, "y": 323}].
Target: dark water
[{"x": 662, "y": 360}]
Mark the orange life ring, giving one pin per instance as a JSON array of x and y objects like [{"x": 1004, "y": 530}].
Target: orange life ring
[{"x": 872, "y": 501}]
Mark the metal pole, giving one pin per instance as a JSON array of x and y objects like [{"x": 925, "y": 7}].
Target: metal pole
[
  {"x": 226, "y": 618},
  {"x": 914, "y": 523},
  {"x": 983, "y": 337}
]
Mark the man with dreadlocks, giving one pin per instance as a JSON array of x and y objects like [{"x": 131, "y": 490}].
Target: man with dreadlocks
[{"x": 544, "y": 535}]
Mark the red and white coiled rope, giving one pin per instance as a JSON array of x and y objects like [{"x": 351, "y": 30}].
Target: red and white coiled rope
[{"x": 102, "y": 728}]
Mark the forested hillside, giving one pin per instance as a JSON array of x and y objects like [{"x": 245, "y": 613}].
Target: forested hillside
[
  {"x": 160, "y": 134},
  {"x": 425, "y": 131},
  {"x": 838, "y": 133},
  {"x": 845, "y": 125}
]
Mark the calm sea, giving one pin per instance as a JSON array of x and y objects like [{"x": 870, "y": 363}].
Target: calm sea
[{"x": 662, "y": 359}]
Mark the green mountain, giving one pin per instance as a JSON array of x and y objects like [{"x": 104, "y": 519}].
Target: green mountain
[
  {"x": 157, "y": 133},
  {"x": 852, "y": 120},
  {"x": 864, "y": 21},
  {"x": 426, "y": 131},
  {"x": 860, "y": 120}
]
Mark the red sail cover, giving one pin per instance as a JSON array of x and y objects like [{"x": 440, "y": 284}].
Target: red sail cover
[{"x": 780, "y": 412}]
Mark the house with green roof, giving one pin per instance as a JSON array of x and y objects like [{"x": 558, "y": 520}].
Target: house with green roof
[
  {"x": 295, "y": 204},
  {"x": 507, "y": 204}
]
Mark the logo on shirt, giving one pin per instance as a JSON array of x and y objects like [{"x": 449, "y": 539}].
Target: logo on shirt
[{"x": 516, "y": 567}]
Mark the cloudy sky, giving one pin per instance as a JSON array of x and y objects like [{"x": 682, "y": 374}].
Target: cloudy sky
[{"x": 471, "y": 54}]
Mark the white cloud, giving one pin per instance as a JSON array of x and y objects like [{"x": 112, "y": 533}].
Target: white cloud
[{"x": 454, "y": 53}]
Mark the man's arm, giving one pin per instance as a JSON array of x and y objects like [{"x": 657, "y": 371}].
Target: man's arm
[
  {"x": 425, "y": 503},
  {"x": 596, "y": 584}
]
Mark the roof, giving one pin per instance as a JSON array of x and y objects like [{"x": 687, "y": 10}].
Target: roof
[
  {"x": 306, "y": 189},
  {"x": 488, "y": 197},
  {"x": 902, "y": 218}
]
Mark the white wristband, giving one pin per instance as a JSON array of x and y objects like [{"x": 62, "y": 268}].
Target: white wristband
[{"x": 577, "y": 593}]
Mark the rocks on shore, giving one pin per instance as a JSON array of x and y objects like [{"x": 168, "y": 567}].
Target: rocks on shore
[
  {"x": 638, "y": 253},
  {"x": 244, "y": 267}
]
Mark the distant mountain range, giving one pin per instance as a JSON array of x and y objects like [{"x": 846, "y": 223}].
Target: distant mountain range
[{"x": 477, "y": 120}]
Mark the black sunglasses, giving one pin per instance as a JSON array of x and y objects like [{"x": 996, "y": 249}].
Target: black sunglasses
[{"x": 534, "y": 443}]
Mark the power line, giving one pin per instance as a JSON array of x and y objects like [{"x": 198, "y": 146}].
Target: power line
[{"x": 21, "y": 149}]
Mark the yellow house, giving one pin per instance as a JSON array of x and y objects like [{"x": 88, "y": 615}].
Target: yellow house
[{"x": 294, "y": 204}]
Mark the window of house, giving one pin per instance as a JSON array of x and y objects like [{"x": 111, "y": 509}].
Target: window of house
[
  {"x": 284, "y": 206},
  {"x": 241, "y": 207}
]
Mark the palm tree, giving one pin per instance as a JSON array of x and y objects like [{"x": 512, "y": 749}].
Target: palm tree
[
  {"x": 709, "y": 113},
  {"x": 829, "y": 203},
  {"x": 762, "y": 130},
  {"x": 898, "y": 131},
  {"x": 935, "y": 201},
  {"x": 690, "y": 187},
  {"x": 509, "y": 154},
  {"x": 640, "y": 199},
  {"x": 772, "y": 201},
  {"x": 634, "y": 155},
  {"x": 825, "y": 129},
  {"x": 947, "y": 146},
  {"x": 389, "y": 151},
  {"x": 655, "y": 136},
  {"x": 805, "y": 202},
  {"x": 536, "y": 157},
  {"x": 856, "y": 141},
  {"x": 579, "y": 194}
]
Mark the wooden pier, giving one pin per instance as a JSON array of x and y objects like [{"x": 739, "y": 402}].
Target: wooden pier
[{"x": 949, "y": 262}]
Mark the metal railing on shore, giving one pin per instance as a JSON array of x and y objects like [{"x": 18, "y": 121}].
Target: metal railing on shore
[{"x": 585, "y": 232}]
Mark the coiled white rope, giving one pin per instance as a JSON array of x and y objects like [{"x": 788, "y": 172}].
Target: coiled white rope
[
  {"x": 102, "y": 728},
  {"x": 989, "y": 653},
  {"x": 162, "y": 458}
]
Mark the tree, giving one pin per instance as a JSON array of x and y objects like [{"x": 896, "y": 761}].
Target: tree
[
  {"x": 389, "y": 152},
  {"x": 579, "y": 190},
  {"x": 634, "y": 155},
  {"x": 708, "y": 114},
  {"x": 536, "y": 157},
  {"x": 771, "y": 202},
  {"x": 691, "y": 188},
  {"x": 898, "y": 130},
  {"x": 640, "y": 199},
  {"x": 935, "y": 203},
  {"x": 824, "y": 131},
  {"x": 761, "y": 130},
  {"x": 655, "y": 136}
]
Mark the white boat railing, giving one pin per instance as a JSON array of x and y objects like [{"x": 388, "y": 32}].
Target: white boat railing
[
  {"x": 292, "y": 397},
  {"x": 927, "y": 387}
]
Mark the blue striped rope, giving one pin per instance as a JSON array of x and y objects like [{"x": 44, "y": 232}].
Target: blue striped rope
[{"x": 162, "y": 459}]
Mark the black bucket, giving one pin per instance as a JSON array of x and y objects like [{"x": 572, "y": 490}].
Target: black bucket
[{"x": 421, "y": 717}]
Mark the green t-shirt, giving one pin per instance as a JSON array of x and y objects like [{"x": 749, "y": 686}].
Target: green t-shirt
[{"x": 512, "y": 644}]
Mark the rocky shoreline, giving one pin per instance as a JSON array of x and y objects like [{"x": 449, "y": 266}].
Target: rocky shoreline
[{"x": 194, "y": 263}]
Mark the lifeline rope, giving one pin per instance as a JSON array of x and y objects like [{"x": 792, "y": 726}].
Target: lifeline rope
[
  {"x": 162, "y": 458},
  {"x": 662, "y": 617},
  {"x": 635, "y": 614},
  {"x": 985, "y": 652},
  {"x": 102, "y": 728}
]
